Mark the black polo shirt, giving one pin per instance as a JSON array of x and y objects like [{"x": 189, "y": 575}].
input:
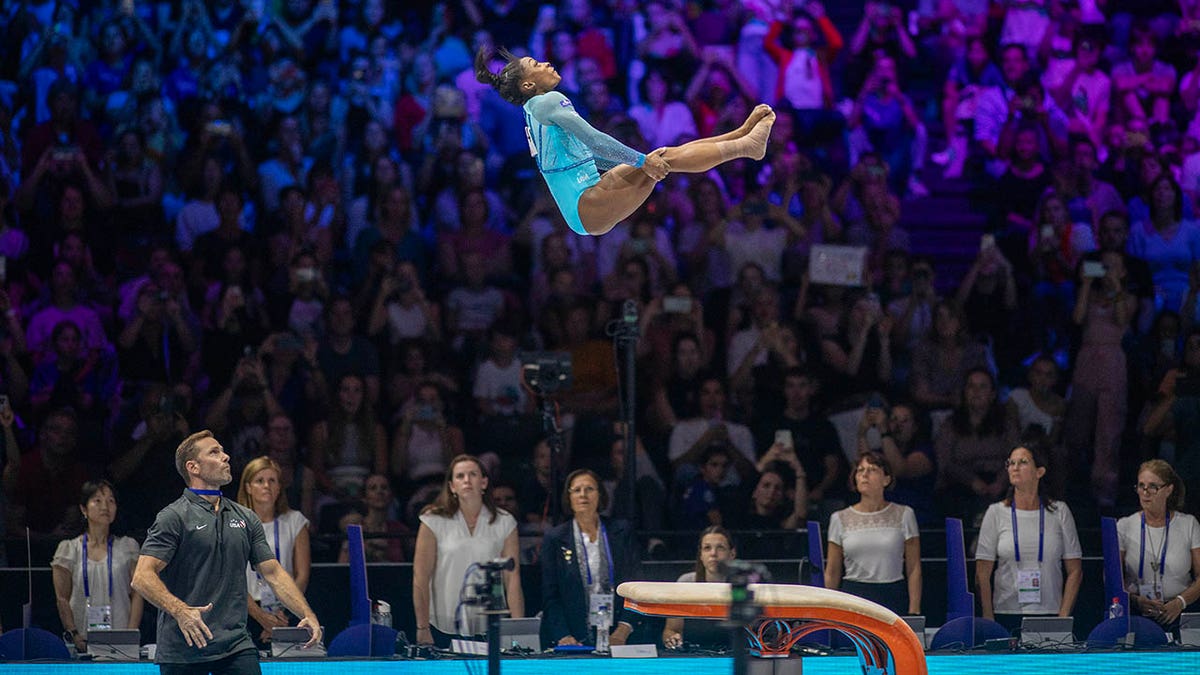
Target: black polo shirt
[{"x": 206, "y": 552}]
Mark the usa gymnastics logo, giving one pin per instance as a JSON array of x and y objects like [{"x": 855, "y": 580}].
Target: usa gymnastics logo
[
  {"x": 237, "y": 524},
  {"x": 566, "y": 103}
]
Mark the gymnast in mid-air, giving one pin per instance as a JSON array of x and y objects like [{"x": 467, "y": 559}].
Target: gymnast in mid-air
[{"x": 568, "y": 150}]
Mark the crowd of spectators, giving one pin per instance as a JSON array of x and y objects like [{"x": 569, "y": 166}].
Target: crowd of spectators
[{"x": 304, "y": 225}]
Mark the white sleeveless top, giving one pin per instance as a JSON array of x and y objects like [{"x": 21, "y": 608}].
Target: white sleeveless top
[
  {"x": 1027, "y": 411},
  {"x": 457, "y": 549}
]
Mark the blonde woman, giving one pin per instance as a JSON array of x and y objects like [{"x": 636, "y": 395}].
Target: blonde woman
[{"x": 287, "y": 534}]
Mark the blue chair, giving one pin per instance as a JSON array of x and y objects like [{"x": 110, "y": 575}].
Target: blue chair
[
  {"x": 360, "y": 603},
  {"x": 1111, "y": 632},
  {"x": 816, "y": 555},
  {"x": 27, "y": 644},
  {"x": 960, "y": 601},
  {"x": 966, "y": 632},
  {"x": 1114, "y": 577},
  {"x": 364, "y": 639}
]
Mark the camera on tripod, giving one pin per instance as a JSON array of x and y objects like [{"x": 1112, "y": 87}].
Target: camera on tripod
[{"x": 546, "y": 372}]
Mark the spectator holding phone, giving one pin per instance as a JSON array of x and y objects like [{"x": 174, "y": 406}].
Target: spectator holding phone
[
  {"x": 800, "y": 432},
  {"x": 1099, "y": 391}
]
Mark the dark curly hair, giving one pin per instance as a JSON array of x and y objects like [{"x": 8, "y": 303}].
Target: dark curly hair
[{"x": 507, "y": 82}]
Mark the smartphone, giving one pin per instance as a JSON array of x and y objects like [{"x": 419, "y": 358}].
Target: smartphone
[
  {"x": 3, "y": 402},
  {"x": 639, "y": 246},
  {"x": 127, "y": 7},
  {"x": 306, "y": 274},
  {"x": 987, "y": 241},
  {"x": 876, "y": 401},
  {"x": 219, "y": 128},
  {"x": 1093, "y": 269},
  {"x": 675, "y": 304},
  {"x": 3, "y": 269},
  {"x": 784, "y": 437},
  {"x": 1047, "y": 232}
]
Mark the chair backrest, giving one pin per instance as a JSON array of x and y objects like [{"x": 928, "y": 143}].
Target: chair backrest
[
  {"x": 27, "y": 644},
  {"x": 960, "y": 601},
  {"x": 360, "y": 603},
  {"x": 371, "y": 639},
  {"x": 966, "y": 632},
  {"x": 816, "y": 555},
  {"x": 1111, "y": 632},
  {"x": 1114, "y": 576}
]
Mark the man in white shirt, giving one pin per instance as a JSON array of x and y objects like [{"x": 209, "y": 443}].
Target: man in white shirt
[{"x": 690, "y": 437}]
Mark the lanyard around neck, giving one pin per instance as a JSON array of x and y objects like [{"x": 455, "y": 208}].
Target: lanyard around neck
[
  {"x": 1162, "y": 560},
  {"x": 87, "y": 590},
  {"x": 1041, "y": 530},
  {"x": 607, "y": 553}
]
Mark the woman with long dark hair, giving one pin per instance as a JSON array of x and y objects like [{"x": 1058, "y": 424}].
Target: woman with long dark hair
[
  {"x": 1027, "y": 539},
  {"x": 971, "y": 446},
  {"x": 566, "y": 148},
  {"x": 348, "y": 446},
  {"x": 716, "y": 548},
  {"x": 460, "y": 528}
]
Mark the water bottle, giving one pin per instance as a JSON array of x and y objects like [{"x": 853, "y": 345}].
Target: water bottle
[
  {"x": 1116, "y": 610},
  {"x": 382, "y": 613},
  {"x": 602, "y": 635},
  {"x": 600, "y": 618}
]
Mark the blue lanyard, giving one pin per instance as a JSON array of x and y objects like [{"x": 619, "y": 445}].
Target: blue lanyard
[
  {"x": 1041, "y": 530},
  {"x": 277, "y": 539},
  {"x": 1162, "y": 561},
  {"x": 607, "y": 551},
  {"x": 209, "y": 493},
  {"x": 87, "y": 590}
]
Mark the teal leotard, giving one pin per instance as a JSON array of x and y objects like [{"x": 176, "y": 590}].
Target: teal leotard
[{"x": 568, "y": 151}]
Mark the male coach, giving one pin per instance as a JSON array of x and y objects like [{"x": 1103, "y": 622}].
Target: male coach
[{"x": 193, "y": 568}]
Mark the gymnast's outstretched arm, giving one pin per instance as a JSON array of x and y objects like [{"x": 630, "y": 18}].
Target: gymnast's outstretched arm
[{"x": 553, "y": 108}]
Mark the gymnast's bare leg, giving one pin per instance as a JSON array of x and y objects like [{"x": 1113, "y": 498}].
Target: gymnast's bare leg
[{"x": 622, "y": 190}]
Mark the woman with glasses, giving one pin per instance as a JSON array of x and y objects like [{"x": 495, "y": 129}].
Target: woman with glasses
[
  {"x": 1160, "y": 547},
  {"x": 583, "y": 562},
  {"x": 874, "y": 546},
  {"x": 1027, "y": 540}
]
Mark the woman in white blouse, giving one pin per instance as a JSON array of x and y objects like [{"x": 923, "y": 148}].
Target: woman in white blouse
[
  {"x": 460, "y": 528},
  {"x": 1160, "y": 547},
  {"x": 1027, "y": 540},
  {"x": 103, "y": 598},
  {"x": 875, "y": 545},
  {"x": 287, "y": 535}
]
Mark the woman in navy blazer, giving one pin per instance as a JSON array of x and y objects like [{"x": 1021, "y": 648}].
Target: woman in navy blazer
[{"x": 565, "y": 586}]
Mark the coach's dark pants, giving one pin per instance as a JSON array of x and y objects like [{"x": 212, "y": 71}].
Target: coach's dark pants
[{"x": 244, "y": 662}]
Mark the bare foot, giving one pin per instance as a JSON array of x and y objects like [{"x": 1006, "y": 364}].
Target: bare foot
[
  {"x": 760, "y": 134},
  {"x": 760, "y": 111}
]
